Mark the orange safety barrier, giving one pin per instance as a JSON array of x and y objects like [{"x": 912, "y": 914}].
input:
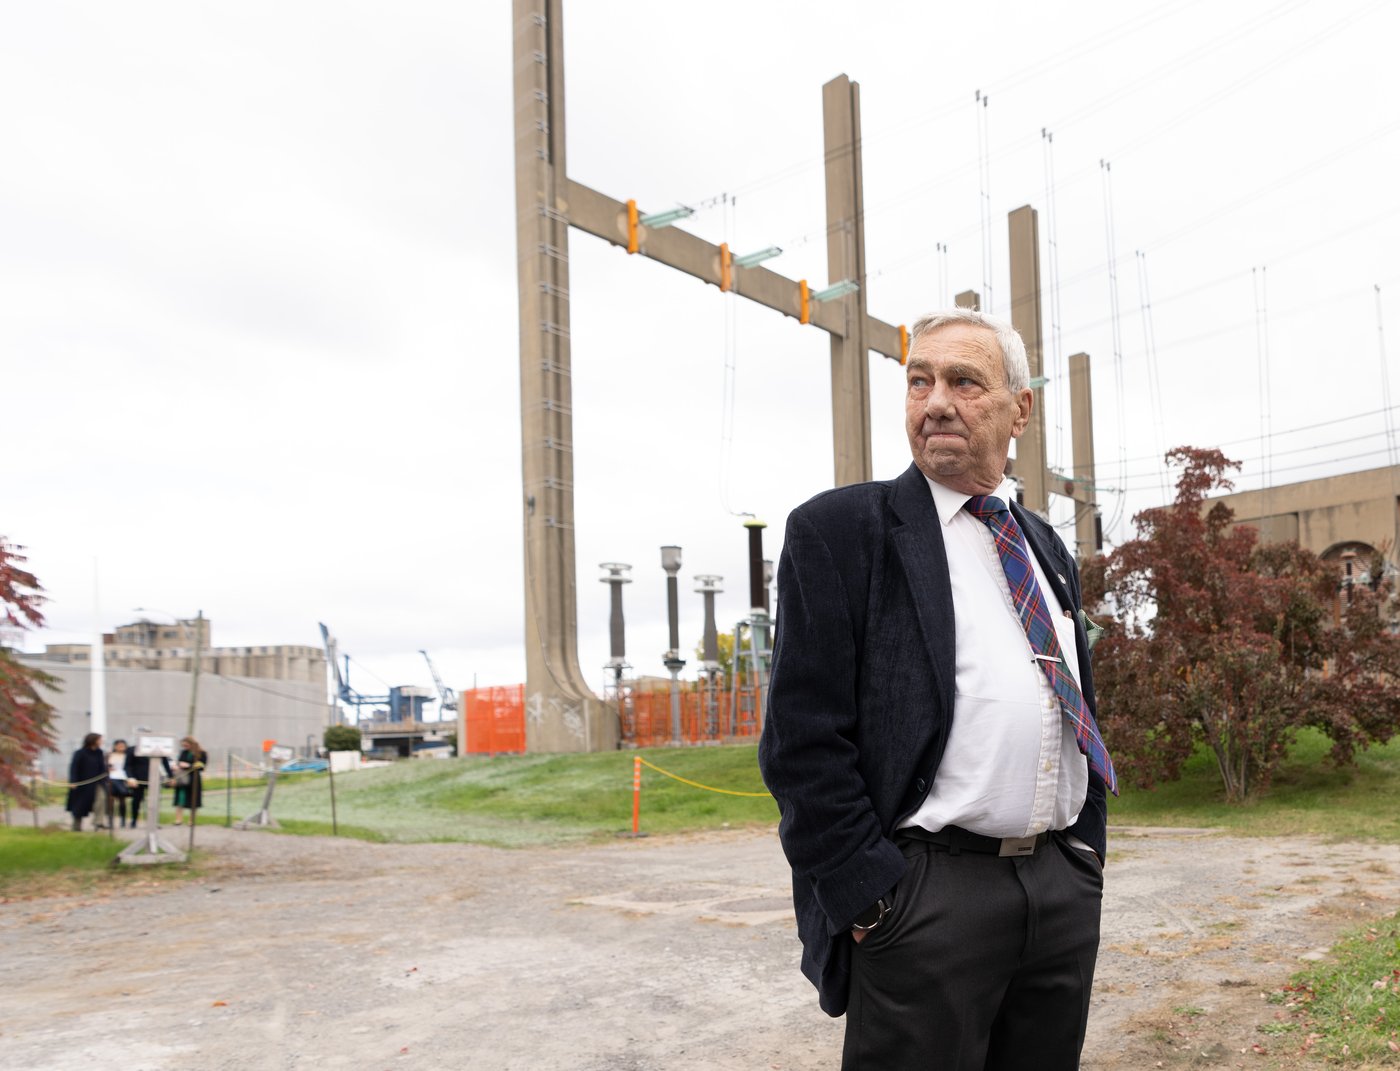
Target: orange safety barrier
[
  {"x": 707, "y": 714},
  {"x": 495, "y": 720},
  {"x": 495, "y": 717}
]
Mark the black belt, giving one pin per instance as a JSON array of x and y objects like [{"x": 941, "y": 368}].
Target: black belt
[{"x": 956, "y": 839}]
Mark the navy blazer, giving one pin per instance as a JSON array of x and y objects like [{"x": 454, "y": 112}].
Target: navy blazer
[{"x": 861, "y": 698}]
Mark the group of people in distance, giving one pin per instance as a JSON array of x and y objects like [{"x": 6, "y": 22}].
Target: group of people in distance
[{"x": 104, "y": 783}]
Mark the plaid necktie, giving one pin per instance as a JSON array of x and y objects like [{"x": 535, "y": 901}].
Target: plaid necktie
[{"x": 1040, "y": 630}]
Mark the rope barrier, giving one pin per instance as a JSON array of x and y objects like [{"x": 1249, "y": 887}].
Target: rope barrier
[
  {"x": 73, "y": 784},
  {"x": 697, "y": 784}
]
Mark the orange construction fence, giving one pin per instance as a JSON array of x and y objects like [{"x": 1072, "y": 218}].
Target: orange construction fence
[
  {"x": 495, "y": 720},
  {"x": 495, "y": 717},
  {"x": 707, "y": 714}
]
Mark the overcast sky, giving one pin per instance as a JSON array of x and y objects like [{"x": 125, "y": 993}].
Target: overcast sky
[{"x": 258, "y": 284}]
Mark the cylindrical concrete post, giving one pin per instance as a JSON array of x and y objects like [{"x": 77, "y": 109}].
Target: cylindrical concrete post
[
  {"x": 709, "y": 587},
  {"x": 671, "y": 562}
]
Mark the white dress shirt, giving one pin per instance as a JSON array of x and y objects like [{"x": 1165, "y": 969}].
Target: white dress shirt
[{"x": 1012, "y": 767}]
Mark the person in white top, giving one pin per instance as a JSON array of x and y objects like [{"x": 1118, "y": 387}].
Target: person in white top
[
  {"x": 931, "y": 742},
  {"x": 118, "y": 781}
]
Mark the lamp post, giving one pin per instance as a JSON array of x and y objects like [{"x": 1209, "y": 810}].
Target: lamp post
[
  {"x": 671, "y": 562},
  {"x": 709, "y": 587}
]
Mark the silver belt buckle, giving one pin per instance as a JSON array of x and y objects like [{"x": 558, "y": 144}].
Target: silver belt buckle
[{"x": 1017, "y": 846}]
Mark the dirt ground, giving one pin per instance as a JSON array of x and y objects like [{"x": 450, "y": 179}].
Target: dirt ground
[{"x": 639, "y": 955}]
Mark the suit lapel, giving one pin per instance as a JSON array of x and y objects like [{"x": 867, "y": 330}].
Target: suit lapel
[
  {"x": 918, "y": 541},
  {"x": 1043, "y": 547}
]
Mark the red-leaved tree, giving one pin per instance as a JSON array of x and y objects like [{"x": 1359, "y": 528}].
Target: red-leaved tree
[
  {"x": 1218, "y": 639},
  {"x": 25, "y": 719}
]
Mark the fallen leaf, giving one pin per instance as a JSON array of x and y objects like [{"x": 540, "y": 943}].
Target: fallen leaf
[{"x": 220, "y": 1004}]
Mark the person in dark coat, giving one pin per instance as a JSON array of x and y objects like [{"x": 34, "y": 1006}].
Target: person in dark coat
[
  {"x": 931, "y": 738},
  {"x": 189, "y": 779},
  {"x": 86, "y": 771},
  {"x": 138, "y": 771}
]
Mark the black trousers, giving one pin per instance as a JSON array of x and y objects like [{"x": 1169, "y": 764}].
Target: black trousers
[{"x": 983, "y": 964}]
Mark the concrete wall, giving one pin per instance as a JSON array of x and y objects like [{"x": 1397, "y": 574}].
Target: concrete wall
[
  {"x": 234, "y": 714},
  {"x": 1359, "y": 507}
]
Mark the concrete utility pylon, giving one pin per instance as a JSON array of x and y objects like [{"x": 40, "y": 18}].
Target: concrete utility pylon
[
  {"x": 562, "y": 714},
  {"x": 561, "y": 711},
  {"x": 845, "y": 259},
  {"x": 1024, "y": 237},
  {"x": 1038, "y": 481}
]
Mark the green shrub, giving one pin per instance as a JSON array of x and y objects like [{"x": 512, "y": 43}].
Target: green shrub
[{"x": 342, "y": 738}]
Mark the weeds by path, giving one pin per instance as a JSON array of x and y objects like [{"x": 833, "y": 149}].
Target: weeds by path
[
  {"x": 37, "y": 863},
  {"x": 1347, "y": 1010}
]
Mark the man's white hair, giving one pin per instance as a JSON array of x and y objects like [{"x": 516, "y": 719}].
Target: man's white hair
[{"x": 1013, "y": 350}]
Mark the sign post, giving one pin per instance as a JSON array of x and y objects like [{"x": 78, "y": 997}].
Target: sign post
[
  {"x": 149, "y": 847},
  {"x": 276, "y": 754}
]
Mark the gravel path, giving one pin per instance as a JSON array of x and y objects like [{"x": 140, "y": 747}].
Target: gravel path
[{"x": 647, "y": 955}]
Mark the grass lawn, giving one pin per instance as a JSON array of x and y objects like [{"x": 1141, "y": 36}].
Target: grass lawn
[
  {"x": 52, "y": 862},
  {"x": 521, "y": 800},
  {"x": 1349, "y": 1010},
  {"x": 518, "y": 800},
  {"x": 1309, "y": 795}
]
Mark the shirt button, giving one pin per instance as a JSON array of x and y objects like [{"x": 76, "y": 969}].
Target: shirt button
[{"x": 1047, "y": 767}]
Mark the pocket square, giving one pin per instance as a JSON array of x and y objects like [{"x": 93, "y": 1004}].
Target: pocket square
[{"x": 1091, "y": 630}]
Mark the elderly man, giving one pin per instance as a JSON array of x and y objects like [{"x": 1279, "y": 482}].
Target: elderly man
[{"x": 931, "y": 743}]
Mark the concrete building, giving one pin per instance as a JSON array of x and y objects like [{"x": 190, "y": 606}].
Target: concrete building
[
  {"x": 1357, "y": 511},
  {"x": 1345, "y": 519},
  {"x": 246, "y": 694}
]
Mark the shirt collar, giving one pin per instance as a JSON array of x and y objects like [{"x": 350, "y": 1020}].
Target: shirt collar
[{"x": 949, "y": 503}]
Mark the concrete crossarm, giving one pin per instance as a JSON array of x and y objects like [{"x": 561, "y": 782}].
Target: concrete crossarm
[
  {"x": 1078, "y": 490},
  {"x": 600, "y": 215}
]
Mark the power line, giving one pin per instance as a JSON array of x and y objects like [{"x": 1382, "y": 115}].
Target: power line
[
  {"x": 984, "y": 196},
  {"x": 1149, "y": 344},
  {"x": 901, "y": 129},
  {"x": 1392, "y": 451},
  {"x": 1286, "y": 431},
  {"x": 1261, "y": 346},
  {"x": 1118, "y": 372},
  {"x": 1252, "y": 458},
  {"x": 1057, "y": 370},
  {"x": 1301, "y": 465}
]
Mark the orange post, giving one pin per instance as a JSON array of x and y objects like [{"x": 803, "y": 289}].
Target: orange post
[
  {"x": 631, "y": 226},
  {"x": 726, "y": 269},
  {"x": 636, "y": 794},
  {"x": 903, "y": 344},
  {"x": 804, "y": 297}
]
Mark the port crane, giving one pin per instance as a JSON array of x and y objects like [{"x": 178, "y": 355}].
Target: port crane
[{"x": 447, "y": 698}]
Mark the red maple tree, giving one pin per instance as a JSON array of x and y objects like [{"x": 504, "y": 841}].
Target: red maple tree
[
  {"x": 26, "y": 720},
  {"x": 1220, "y": 640}
]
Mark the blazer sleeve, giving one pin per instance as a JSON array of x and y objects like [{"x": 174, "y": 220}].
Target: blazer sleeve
[{"x": 808, "y": 752}]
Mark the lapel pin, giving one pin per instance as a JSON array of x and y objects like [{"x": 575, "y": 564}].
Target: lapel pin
[{"x": 1062, "y": 578}]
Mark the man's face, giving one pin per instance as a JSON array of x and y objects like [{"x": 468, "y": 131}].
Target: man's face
[{"x": 959, "y": 412}]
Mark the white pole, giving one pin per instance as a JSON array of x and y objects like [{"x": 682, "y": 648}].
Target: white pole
[{"x": 98, "y": 681}]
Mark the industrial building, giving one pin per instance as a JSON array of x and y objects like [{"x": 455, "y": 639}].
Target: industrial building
[{"x": 244, "y": 695}]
